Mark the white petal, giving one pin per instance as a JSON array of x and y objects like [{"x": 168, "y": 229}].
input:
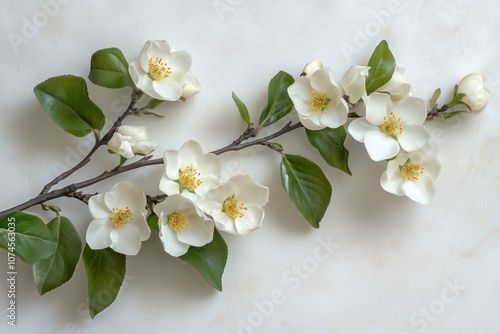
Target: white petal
[
  {"x": 192, "y": 86},
  {"x": 421, "y": 190},
  {"x": 413, "y": 137},
  {"x": 168, "y": 187},
  {"x": 144, "y": 147},
  {"x": 98, "y": 208},
  {"x": 359, "y": 127},
  {"x": 181, "y": 61},
  {"x": 98, "y": 233},
  {"x": 335, "y": 116},
  {"x": 112, "y": 197},
  {"x": 208, "y": 164},
  {"x": 311, "y": 123},
  {"x": 159, "y": 49},
  {"x": 168, "y": 90},
  {"x": 170, "y": 205},
  {"x": 300, "y": 93},
  {"x": 378, "y": 106},
  {"x": 207, "y": 183},
  {"x": 189, "y": 152},
  {"x": 142, "y": 80},
  {"x": 199, "y": 233},
  {"x": 251, "y": 220},
  {"x": 321, "y": 82},
  {"x": 141, "y": 224},
  {"x": 172, "y": 162},
  {"x": 126, "y": 240},
  {"x": 412, "y": 110},
  {"x": 144, "y": 58},
  {"x": 208, "y": 205},
  {"x": 134, "y": 199},
  {"x": 353, "y": 82},
  {"x": 392, "y": 185},
  {"x": 224, "y": 223},
  {"x": 253, "y": 193},
  {"x": 171, "y": 244},
  {"x": 380, "y": 146}
]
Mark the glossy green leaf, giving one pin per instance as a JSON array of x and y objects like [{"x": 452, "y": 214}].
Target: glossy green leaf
[
  {"x": 279, "y": 103},
  {"x": 330, "y": 144},
  {"x": 382, "y": 65},
  {"x": 306, "y": 186},
  {"x": 66, "y": 100},
  {"x": 209, "y": 260},
  {"x": 109, "y": 68},
  {"x": 153, "y": 222},
  {"x": 27, "y": 237},
  {"x": 57, "y": 269},
  {"x": 242, "y": 108},
  {"x": 105, "y": 273}
]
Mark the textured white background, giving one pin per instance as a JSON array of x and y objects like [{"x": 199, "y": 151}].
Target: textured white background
[{"x": 394, "y": 260}]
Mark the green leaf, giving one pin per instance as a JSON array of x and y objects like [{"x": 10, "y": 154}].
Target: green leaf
[
  {"x": 109, "y": 68},
  {"x": 279, "y": 103},
  {"x": 153, "y": 222},
  {"x": 434, "y": 98},
  {"x": 209, "y": 260},
  {"x": 66, "y": 100},
  {"x": 330, "y": 144},
  {"x": 306, "y": 186},
  {"x": 56, "y": 270},
  {"x": 242, "y": 109},
  {"x": 382, "y": 65},
  {"x": 153, "y": 103},
  {"x": 27, "y": 237},
  {"x": 105, "y": 273}
]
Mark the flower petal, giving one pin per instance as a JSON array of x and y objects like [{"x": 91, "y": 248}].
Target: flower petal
[
  {"x": 411, "y": 110},
  {"x": 181, "y": 62},
  {"x": 126, "y": 240},
  {"x": 253, "y": 193},
  {"x": 413, "y": 137},
  {"x": 392, "y": 185},
  {"x": 359, "y": 127},
  {"x": 144, "y": 57},
  {"x": 168, "y": 238},
  {"x": 335, "y": 116},
  {"x": 199, "y": 233},
  {"x": 159, "y": 49},
  {"x": 98, "y": 208},
  {"x": 144, "y": 147},
  {"x": 98, "y": 233},
  {"x": 208, "y": 164},
  {"x": 168, "y": 90},
  {"x": 251, "y": 220},
  {"x": 310, "y": 123},
  {"x": 168, "y": 187},
  {"x": 133, "y": 198},
  {"x": 421, "y": 190},
  {"x": 172, "y": 162},
  {"x": 189, "y": 152},
  {"x": 380, "y": 146},
  {"x": 224, "y": 223},
  {"x": 112, "y": 197},
  {"x": 300, "y": 93},
  {"x": 378, "y": 106},
  {"x": 207, "y": 183}
]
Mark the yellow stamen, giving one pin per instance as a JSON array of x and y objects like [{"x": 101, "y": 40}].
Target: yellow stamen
[
  {"x": 319, "y": 101},
  {"x": 178, "y": 221},
  {"x": 233, "y": 208},
  {"x": 411, "y": 172},
  {"x": 392, "y": 125},
  {"x": 189, "y": 178},
  {"x": 121, "y": 217},
  {"x": 158, "y": 69}
]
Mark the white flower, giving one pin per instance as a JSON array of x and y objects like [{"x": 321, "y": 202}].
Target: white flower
[
  {"x": 476, "y": 94},
  {"x": 413, "y": 174},
  {"x": 119, "y": 219},
  {"x": 129, "y": 140},
  {"x": 163, "y": 73},
  {"x": 398, "y": 87},
  {"x": 318, "y": 101},
  {"x": 310, "y": 68},
  {"x": 354, "y": 83},
  {"x": 189, "y": 171},
  {"x": 181, "y": 225},
  {"x": 236, "y": 206},
  {"x": 387, "y": 126}
]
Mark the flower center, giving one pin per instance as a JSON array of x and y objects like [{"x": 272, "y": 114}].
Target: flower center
[
  {"x": 233, "y": 208},
  {"x": 189, "y": 178},
  {"x": 121, "y": 217},
  {"x": 178, "y": 221},
  {"x": 392, "y": 125},
  {"x": 319, "y": 101},
  {"x": 411, "y": 172},
  {"x": 158, "y": 69}
]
